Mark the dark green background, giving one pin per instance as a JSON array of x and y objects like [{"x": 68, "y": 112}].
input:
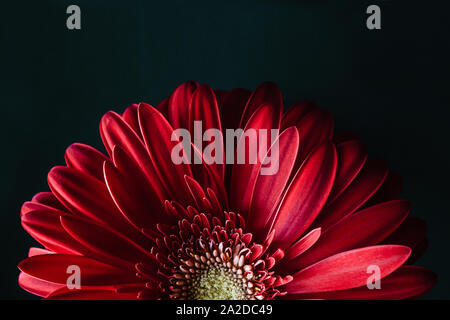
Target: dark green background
[{"x": 390, "y": 85}]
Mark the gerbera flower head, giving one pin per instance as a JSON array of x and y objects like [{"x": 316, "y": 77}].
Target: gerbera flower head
[{"x": 138, "y": 225}]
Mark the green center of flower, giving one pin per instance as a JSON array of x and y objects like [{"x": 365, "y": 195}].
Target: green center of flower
[
  {"x": 216, "y": 283},
  {"x": 218, "y": 263}
]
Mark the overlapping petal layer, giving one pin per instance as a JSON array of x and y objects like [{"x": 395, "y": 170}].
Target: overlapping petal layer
[{"x": 132, "y": 220}]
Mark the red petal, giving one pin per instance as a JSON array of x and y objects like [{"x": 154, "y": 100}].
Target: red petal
[
  {"x": 196, "y": 191},
  {"x": 232, "y": 107},
  {"x": 363, "y": 228},
  {"x": 180, "y": 104},
  {"x": 53, "y": 268},
  {"x": 362, "y": 188},
  {"x": 130, "y": 116},
  {"x": 95, "y": 294},
  {"x": 204, "y": 108},
  {"x": 33, "y": 251},
  {"x": 243, "y": 176},
  {"x": 296, "y": 113},
  {"x": 267, "y": 93},
  {"x": 115, "y": 131},
  {"x": 208, "y": 178},
  {"x": 88, "y": 197},
  {"x": 37, "y": 286},
  {"x": 132, "y": 193},
  {"x": 105, "y": 242},
  {"x": 351, "y": 157},
  {"x": 157, "y": 134},
  {"x": 301, "y": 246},
  {"x": 407, "y": 282},
  {"x": 306, "y": 195},
  {"x": 269, "y": 188},
  {"x": 348, "y": 269},
  {"x": 44, "y": 226},
  {"x": 314, "y": 128},
  {"x": 86, "y": 159},
  {"x": 48, "y": 199}
]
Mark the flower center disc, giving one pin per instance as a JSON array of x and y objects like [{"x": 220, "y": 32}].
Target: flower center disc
[
  {"x": 207, "y": 259},
  {"x": 216, "y": 283}
]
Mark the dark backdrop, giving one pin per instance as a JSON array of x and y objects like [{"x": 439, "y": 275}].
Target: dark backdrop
[{"x": 390, "y": 85}]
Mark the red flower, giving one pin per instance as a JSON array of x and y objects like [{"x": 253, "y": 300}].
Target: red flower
[{"x": 139, "y": 226}]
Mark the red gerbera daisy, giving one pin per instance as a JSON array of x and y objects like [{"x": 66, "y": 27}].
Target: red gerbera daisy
[{"x": 139, "y": 226}]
